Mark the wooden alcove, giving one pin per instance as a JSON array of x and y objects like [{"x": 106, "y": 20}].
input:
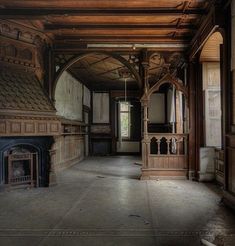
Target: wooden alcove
[{"x": 172, "y": 164}]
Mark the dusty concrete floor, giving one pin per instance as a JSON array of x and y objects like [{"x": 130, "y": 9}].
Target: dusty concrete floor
[{"x": 101, "y": 202}]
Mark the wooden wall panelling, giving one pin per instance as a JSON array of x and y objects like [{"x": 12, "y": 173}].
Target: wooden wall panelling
[
  {"x": 228, "y": 80},
  {"x": 29, "y": 127},
  {"x": 68, "y": 150}
]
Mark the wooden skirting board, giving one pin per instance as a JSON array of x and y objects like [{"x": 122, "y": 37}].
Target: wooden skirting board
[{"x": 153, "y": 174}]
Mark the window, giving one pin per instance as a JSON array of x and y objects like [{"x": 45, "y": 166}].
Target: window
[
  {"x": 125, "y": 118},
  {"x": 212, "y": 104}
]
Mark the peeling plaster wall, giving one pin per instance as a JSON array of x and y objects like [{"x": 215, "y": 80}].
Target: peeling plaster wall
[{"x": 68, "y": 97}]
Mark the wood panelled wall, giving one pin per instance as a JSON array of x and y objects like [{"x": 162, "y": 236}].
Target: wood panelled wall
[
  {"x": 230, "y": 136},
  {"x": 67, "y": 151}
]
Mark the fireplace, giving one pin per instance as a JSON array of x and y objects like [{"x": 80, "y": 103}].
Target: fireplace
[
  {"x": 28, "y": 125},
  {"x": 22, "y": 167},
  {"x": 25, "y": 161}
]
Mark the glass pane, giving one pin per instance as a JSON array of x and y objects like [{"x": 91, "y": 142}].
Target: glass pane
[
  {"x": 124, "y": 106},
  {"x": 125, "y": 123}
]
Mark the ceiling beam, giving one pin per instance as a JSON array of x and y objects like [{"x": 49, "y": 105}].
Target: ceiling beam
[
  {"x": 124, "y": 38},
  {"x": 96, "y": 3},
  {"x": 118, "y": 32},
  {"x": 121, "y": 39},
  {"x": 56, "y": 27},
  {"x": 32, "y": 13}
]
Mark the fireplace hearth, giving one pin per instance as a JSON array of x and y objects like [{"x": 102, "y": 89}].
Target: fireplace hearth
[{"x": 25, "y": 161}]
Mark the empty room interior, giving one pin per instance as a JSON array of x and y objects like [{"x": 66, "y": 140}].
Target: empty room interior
[{"x": 117, "y": 123}]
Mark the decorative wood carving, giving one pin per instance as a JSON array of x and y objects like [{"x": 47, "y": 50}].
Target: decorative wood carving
[
  {"x": 32, "y": 127},
  {"x": 172, "y": 165},
  {"x": 168, "y": 78},
  {"x": 23, "y": 46}
]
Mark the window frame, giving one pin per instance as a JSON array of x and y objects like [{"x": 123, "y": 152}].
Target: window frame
[{"x": 128, "y": 112}]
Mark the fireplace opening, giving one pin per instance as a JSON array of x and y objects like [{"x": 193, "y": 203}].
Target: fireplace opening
[{"x": 21, "y": 166}]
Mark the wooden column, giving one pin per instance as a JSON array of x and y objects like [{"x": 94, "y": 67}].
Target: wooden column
[
  {"x": 145, "y": 140},
  {"x": 192, "y": 119},
  {"x": 145, "y": 104}
]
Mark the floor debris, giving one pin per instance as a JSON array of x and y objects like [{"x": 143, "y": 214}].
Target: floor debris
[
  {"x": 206, "y": 243},
  {"x": 146, "y": 222}
]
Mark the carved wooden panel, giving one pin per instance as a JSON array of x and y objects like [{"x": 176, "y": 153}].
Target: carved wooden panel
[
  {"x": 169, "y": 162},
  {"x": 24, "y": 127},
  {"x": 54, "y": 127},
  {"x": 2, "y": 127},
  {"x": 19, "y": 53},
  {"x": 67, "y": 151},
  {"x": 42, "y": 127},
  {"x": 15, "y": 127},
  {"x": 29, "y": 127}
]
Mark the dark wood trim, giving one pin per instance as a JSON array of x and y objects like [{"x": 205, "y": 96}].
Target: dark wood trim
[
  {"x": 34, "y": 13},
  {"x": 192, "y": 117}
]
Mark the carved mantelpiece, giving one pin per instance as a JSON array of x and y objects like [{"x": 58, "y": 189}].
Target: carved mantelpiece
[{"x": 25, "y": 125}]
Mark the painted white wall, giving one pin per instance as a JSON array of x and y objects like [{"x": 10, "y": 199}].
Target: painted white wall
[
  {"x": 157, "y": 108},
  {"x": 68, "y": 97}
]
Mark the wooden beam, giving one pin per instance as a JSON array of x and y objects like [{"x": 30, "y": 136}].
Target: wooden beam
[
  {"x": 118, "y": 32},
  {"x": 34, "y": 13},
  {"x": 53, "y": 27},
  {"x": 122, "y": 38},
  {"x": 95, "y": 4}
]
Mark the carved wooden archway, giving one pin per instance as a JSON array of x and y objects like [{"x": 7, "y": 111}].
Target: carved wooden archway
[
  {"x": 166, "y": 79},
  {"x": 78, "y": 57},
  {"x": 150, "y": 162}
]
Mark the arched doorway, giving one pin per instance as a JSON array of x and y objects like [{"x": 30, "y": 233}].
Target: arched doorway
[{"x": 87, "y": 93}]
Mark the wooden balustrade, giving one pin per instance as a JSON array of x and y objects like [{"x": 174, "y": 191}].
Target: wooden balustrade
[
  {"x": 175, "y": 144},
  {"x": 167, "y": 155}
]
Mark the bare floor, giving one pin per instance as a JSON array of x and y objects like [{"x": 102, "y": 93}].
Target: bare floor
[{"x": 101, "y": 202}]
